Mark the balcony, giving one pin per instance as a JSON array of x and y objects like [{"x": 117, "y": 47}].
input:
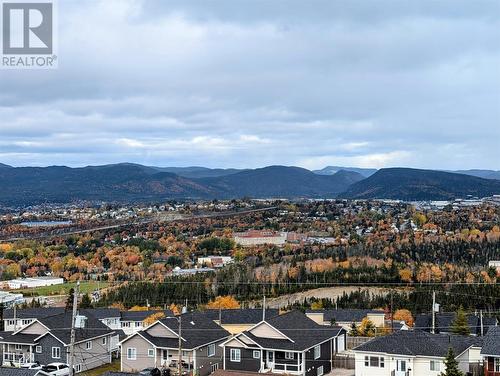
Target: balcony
[{"x": 17, "y": 359}]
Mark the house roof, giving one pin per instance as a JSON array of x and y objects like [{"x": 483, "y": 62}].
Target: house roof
[
  {"x": 32, "y": 313},
  {"x": 9, "y": 371},
  {"x": 102, "y": 313},
  {"x": 240, "y": 316},
  {"x": 18, "y": 338},
  {"x": 142, "y": 315},
  {"x": 491, "y": 344},
  {"x": 419, "y": 343},
  {"x": 444, "y": 322},
  {"x": 345, "y": 315},
  {"x": 197, "y": 330},
  {"x": 303, "y": 333}
]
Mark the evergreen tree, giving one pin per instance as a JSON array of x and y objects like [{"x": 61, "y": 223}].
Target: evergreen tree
[
  {"x": 460, "y": 324},
  {"x": 451, "y": 365},
  {"x": 354, "y": 332},
  {"x": 86, "y": 301},
  {"x": 69, "y": 301}
]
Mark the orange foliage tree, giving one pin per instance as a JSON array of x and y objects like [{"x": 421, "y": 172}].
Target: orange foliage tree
[{"x": 226, "y": 302}]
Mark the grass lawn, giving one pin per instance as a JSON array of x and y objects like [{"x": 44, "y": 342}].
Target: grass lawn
[
  {"x": 85, "y": 287},
  {"x": 115, "y": 366}
]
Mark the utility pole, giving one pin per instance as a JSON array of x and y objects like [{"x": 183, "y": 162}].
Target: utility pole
[
  {"x": 179, "y": 366},
  {"x": 73, "y": 319},
  {"x": 481, "y": 319},
  {"x": 392, "y": 314},
  {"x": 264, "y": 309},
  {"x": 15, "y": 317},
  {"x": 433, "y": 328}
]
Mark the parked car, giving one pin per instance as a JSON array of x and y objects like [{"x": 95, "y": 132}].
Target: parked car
[
  {"x": 35, "y": 365},
  {"x": 56, "y": 369}
]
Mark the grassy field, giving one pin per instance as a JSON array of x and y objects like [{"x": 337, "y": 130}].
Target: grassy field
[
  {"x": 85, "y": 287},
  {"x": 115, "y": 366}
]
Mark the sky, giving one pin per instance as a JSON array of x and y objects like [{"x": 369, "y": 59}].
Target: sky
[{"x": 254, "y": 83}]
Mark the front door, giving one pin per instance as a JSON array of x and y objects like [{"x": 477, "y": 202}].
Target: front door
[
  {"x": 400, "y": 367},
  {"x": 270, "y": 359}
]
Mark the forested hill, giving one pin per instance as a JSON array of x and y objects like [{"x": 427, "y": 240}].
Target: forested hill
[{"x": 414, "y": 184}]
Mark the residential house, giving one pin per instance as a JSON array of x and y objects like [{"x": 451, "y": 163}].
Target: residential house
[
  {"x": 133, "y": 321},
  {"x": 238, "y": 320},
  {"x": 14, "y": 320},
  {"x": 444, "y": 322},
  {"x": 46, "y": 340},
  {"x": 111, "y": 317},
  {"x": 289, "y": 344},
  {"x": 345, "y": 317},
  {"x": 158, "y": 345},
  {"x": 491, "y": 352},
  {"x": 415, "y": 353}
]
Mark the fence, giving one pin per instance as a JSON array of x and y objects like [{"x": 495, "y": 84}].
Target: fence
[
  {"x": 353, "y": 342},
  {"x": 343, "y": 361}
]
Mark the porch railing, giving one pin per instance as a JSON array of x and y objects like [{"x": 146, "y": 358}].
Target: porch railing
[{"x": 17, "y": 359}]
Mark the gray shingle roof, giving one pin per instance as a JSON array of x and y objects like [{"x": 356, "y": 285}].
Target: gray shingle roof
[
  {"x": 7, "y": 371},
  {"x": 413, "y": 343},
  {"x": 18, "y": 338},
  {"x": 32, "y": 313},
  {"x": 491, "y": 344},
  {"x": 345, "y": 315},
  {"x": 197, "y": 330},
  {"x": 445, "y": 320},
  {"x": 304, "y": 332},
  {"x": 240, "y": 316}
]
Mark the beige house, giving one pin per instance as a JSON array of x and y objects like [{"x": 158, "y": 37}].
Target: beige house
[{"x": 345, "y": 317}]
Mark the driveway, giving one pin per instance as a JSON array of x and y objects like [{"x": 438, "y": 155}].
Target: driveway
[{"x": 341, "y": 372}]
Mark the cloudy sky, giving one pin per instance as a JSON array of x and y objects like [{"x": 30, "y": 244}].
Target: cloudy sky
[{"x": 252, "y": 83}]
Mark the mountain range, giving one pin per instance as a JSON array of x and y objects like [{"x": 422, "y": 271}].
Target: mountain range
[{"x": 134, "y": 182}]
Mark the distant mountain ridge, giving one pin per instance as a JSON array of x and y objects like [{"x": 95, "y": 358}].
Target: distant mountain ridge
[
  {"x": 128, "y": 182},
  {"x": 330, "y": 170},
  {"x": 414, "y": 184}
]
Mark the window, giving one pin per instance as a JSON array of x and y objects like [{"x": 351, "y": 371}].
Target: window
[
  {"x": 211, "y": 349},
  {"x": 382, "y": 362},
  {"x": 435, "y": 365},
  {"x": 256, "y": 354},
  {"x": 11, "y": 322},
  {"x": 289, "y": 355},
  {"x": 497, "y": 364},
  {"x": 374, "y": 361},
  {"x": 367, "y": 361},
  {"x": 151, "y": 353},
  {"x": 38, "y": 349},
  {"x": 19, "y": 347},
  {"x": 104, "y": 340},
  {"x": 317, "y": 351},
  {"x": 320, "y": 371},
  {"x": 214, "y": 367},
  {"x": 235, "y": 355},
  {"x": 26, "y": 322},
  {"x": 126, "y": 324},
  {"x": 185, "y": 353},
  {"x": 88, "y": 345},
  {"x": 78, "y": 368},
  {"x": 131, "y": 353},
  {"x": 138, "y": 324},
  {"x": 56, "y": 353}
]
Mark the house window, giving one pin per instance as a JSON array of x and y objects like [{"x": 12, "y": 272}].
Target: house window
[
  {"x": 26, "y": 322},
  {"x": 256, "y": 354},
  {"x": 374, "y": 361},
  {"x": 497, "y": 364},
  {"x": 367, "y": 361},
  {"x": 289, "y": 355},
  {"x": 320, "y": 371},
  {"x": 104, "y": 340},
  {"x": 19, "y": 347},
  {"x": 235, "y": 355},
  {"x": 435, "y": 365},
  {"x": 214, "y": 367},
  {"x": 78, "y": 368},
  {"x": 151, "y": 353},
  {"x": 126, "y": 324},
  {"x": 138, "y": 324},
  {"x": 317, "y": 351},
  {"x": 56, "y": 353},
  {"x": 38, "y": 349},
  {"x": 11, "y": 322},
  {"x": 211, "y": 349},
  {"x": 131, "y": 353},
  {"x": 382, "y": 362},
  {"x": 88, "y": 345}
]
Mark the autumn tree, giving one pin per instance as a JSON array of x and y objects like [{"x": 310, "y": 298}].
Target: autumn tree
[
  {"x": 367, "y": 327},
  {"x": 224, "y": 302},
  {"x": 153, "y": 318},
  {"x": 404, "y": 315}
]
